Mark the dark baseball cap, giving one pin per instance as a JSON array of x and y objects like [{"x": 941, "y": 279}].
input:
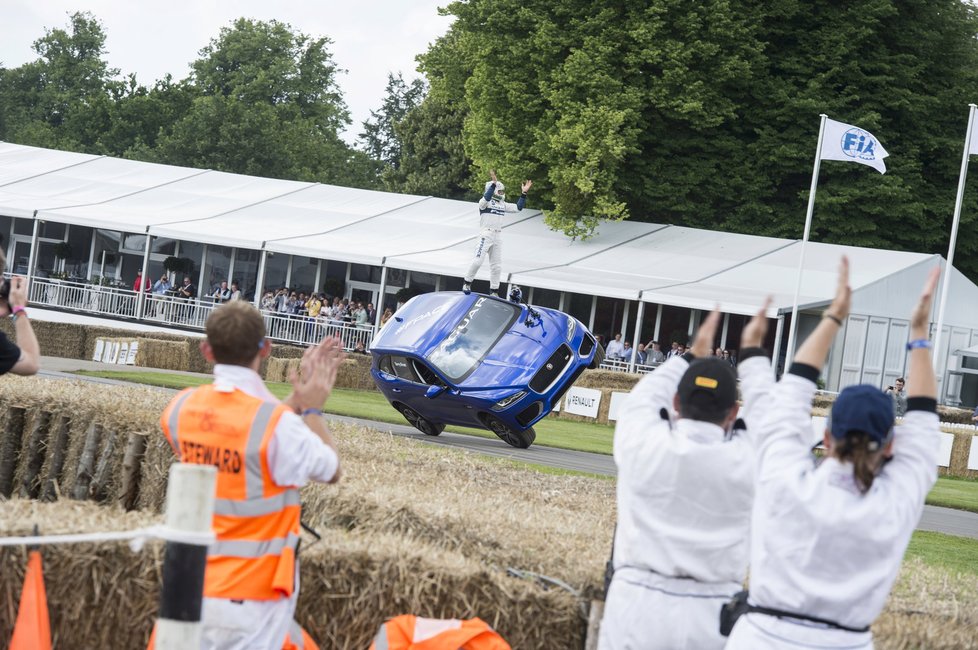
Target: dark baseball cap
[
  {"x": 862, "y": 408},
  {"x": 709, "y": 385}
]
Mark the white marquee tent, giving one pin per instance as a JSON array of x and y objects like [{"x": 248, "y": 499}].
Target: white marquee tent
[{"x": 653, "y": 263}]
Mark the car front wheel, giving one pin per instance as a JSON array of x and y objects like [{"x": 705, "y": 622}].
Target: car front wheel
[
  {"x": 419, "y": 422},
  {"x": 509, "y": 435},
  {"x": 598, "y": 357}
]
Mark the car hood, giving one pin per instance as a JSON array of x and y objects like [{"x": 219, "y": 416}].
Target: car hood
[
  {"x": 422, "y": 322},
  {"x": 520, "y": 352}
]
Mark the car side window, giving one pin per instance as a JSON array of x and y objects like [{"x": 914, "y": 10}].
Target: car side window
[
  {"x": 404, "y": 369},
  {"x": 385, "y": 365},
  {"x": 427, "y": 375}
]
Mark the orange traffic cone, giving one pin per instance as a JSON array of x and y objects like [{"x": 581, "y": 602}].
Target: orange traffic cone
[{"x": 32, "y": 631}]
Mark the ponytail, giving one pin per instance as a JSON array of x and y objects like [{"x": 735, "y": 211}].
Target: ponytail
[{"x": 856, "y": 448}]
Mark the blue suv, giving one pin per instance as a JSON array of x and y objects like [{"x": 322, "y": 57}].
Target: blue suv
[{"x": 479, "y": 361}]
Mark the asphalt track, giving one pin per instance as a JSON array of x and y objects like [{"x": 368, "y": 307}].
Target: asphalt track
[{"x": 937, "y": 519}]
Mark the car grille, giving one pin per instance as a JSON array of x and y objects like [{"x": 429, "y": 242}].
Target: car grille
[
  {"x": 529, "y": 413},
  {"x": 587, "y": 344},
  {"x": 551, "y": 369},
  {"x": 570, "y": 382}
]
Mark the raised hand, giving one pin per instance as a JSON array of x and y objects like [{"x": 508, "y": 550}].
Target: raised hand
[
  {"x": 755, "y": 331},
  {"x": 492, "y": 176},
  {"x": 843, "y": 293},
  {"x": 526, "y": 186},
  {"x": 920, "y": 317},
  {"x": 312, "y": 385},
  {"x": 705, "y": 335}
]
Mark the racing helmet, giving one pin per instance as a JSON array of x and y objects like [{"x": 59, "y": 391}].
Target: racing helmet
[{"x": 500, "y": 191}]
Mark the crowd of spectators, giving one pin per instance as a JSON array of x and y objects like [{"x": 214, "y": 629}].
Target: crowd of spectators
[{"x": 651, "y": 354}]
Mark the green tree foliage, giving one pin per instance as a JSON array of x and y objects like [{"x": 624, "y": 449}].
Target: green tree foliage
[
  {"x": 379, "y": 138},
  {"x": 433, "y": 160},
  {"x": 706, "y": 114},
  {"x": 267, "y": 104},
  {"x": 41, "y": 101}
]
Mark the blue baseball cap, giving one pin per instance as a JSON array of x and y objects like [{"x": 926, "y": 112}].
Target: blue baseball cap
[{"x": 863, "y": 408}]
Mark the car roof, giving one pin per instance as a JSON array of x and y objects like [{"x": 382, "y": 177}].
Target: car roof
[{"x": 422, "y": 322}]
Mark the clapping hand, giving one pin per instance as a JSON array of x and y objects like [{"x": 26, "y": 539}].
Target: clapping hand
[
  {"x": 705, "y": 335},
  {"x": 312, "y": 385},
  {"x": 755, "y": 331}
]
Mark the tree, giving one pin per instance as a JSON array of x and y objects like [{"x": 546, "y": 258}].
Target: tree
[
  {"x": 706, "y": 114},
  {"x": 379, "y": 137},
  {"x": 267, "y": 104},
  {"x": 39, "y": 99},
  {"x": 433, "y": 160}
]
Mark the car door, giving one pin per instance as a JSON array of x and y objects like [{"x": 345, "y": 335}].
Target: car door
[{"x": 411, "y": 379}]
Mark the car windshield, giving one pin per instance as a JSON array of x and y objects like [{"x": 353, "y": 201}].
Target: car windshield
[{"x": 472, "y": 337}]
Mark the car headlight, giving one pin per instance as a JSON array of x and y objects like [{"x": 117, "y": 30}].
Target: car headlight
[
  {"x": 507, "y": 401},
  {"x": 571, "y": 327}
]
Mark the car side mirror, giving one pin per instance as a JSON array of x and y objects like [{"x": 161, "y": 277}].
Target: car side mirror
[{"x": 434, "y": 391}]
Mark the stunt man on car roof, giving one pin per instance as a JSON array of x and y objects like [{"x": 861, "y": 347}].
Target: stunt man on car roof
[{"x": 492, "y": 207}]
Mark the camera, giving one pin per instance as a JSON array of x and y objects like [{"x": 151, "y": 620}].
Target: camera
[{"x": 5, "y": 289}]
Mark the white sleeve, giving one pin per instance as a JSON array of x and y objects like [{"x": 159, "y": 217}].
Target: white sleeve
[
  {"x": 756, "y": 384},
  {"x": 641, "y": 433},
  {"x": 296, "y": 455},
  {"x": 784, "y": 433},
  {"x": 916, "y": 442}
]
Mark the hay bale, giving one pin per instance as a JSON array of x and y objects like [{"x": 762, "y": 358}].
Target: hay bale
[
  {"x": 159, "y": 353},
  {"x": 27, "y": 478},
  {"x": 278, "y": 369},
  {"x": 354, "y": 373},
  {"x": 157, "y": 458},
  {"x": 622, "y": 382},
  {"x": 55, "y": 339},
  {"x": 960, "y": 450},
  {"x": 10, "y": 447},
  {"x": 54, "y": 459}
]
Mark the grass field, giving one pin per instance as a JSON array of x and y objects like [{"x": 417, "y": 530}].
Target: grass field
[
  {"x": 953, "y": 554},
  {"x": 552, "y": 432}
]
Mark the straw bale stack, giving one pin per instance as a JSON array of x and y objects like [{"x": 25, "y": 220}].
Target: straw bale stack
[
  {"x": 355, "y": 373},
  {"x": 608, "y": 379},
  {"x": 277, "y": 369},
  {"x": 56, "y": 339},
  {"x": 68, "y": 439},
  {"x": 159, "y": 353}
]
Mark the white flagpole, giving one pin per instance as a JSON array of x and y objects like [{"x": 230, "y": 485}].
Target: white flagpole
[
  {"x": 793, "y": 328},
  {"x": 946, "y": 283}
]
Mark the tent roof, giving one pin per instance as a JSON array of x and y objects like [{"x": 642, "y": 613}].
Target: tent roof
[{"x": 657, "y": 263}]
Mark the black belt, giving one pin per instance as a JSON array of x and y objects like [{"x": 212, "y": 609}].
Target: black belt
[
  {"x": 739, "y": 606},
  {"x": 778, "y": 613}
]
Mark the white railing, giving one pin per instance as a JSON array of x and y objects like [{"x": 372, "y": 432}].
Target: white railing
[
  {"x": 619, "y": 365},
  {"x": 91, "y": 298},
  {"x": 171, "y": 310}
]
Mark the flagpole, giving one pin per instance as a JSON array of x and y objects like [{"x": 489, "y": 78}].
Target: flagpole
[
  {"x": 946, "y": 283},
  {"x": 792, "y": 329}
]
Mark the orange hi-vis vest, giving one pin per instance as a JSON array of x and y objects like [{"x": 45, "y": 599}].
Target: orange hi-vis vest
[
  {"x": 256, "y": 522},
  {"x": 409, "y": 632}
]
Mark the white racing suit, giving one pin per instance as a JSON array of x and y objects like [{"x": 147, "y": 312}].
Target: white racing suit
[{"x": 491, "y": 211}]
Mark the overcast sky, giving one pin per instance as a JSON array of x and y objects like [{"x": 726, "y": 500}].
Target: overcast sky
[{"x": 370, "y": 37}]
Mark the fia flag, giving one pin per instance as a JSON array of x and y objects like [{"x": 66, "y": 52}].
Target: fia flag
[{"x": 852, "y": 144}]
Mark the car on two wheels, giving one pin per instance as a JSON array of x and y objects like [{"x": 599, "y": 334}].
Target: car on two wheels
[{"x": 479, "y": 361}]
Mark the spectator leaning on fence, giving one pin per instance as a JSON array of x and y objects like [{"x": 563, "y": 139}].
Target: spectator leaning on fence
[
  {"x": 827, "y": 540},
  {"x": 24, "y": 356},
  {"x": 264, "y": 451}
]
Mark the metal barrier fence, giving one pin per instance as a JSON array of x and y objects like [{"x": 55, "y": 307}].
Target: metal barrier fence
[
  {"x": 618, "y": 365},
  {"x": 162, "y": 309}
]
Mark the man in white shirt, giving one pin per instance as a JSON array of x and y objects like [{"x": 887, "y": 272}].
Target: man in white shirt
[
  {"x": 264, "y": 449},
  {"x": 616, "y": 349},
  {"x": 685, "y": 490}
]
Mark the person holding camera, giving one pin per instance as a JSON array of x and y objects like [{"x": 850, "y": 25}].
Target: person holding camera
[
  {"x": 24, "y": 356},
  {"x": 899, "y": 397}
]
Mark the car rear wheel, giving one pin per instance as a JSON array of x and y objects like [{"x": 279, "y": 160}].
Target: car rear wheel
[
  {"x": 598, "y": 356},
  {"x": 419, "y": 422},
  {"x": 509, "y": 435}
]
